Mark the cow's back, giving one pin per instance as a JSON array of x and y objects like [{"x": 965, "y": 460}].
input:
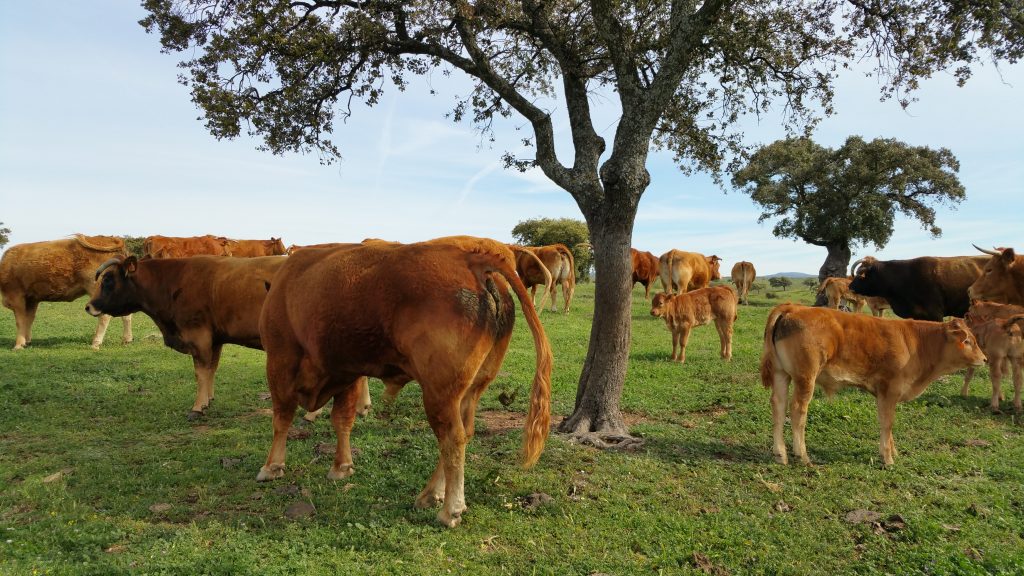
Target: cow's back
[{"x": 55, "y": 270}]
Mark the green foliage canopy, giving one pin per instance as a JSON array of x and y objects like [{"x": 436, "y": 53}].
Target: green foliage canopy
[
  {"x": 5, "y": 235},
  {"x": 780, "y": 282},
  {"x": 573, "y": 233}
]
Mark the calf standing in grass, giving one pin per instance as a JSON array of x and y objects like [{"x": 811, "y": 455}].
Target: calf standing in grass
[
  {"x": 894, "y": 360},
  {"x": 1001, "y": 340},
  {"x": 682, "y": 312}
]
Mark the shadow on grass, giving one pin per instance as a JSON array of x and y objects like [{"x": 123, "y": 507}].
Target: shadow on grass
[{"x": 53, "y": 342}]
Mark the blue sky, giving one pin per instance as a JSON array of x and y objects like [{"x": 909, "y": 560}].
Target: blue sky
[{"x": 96, "y": 136}]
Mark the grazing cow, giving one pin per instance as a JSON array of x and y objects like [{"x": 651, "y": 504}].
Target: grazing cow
[
  {"x": 743, "y": 275},
  {"x": 837, "y": 291},
  {"x": 645, "y": 269},
  {"x": 199, "y": 304},
  {"x": 557, "y": 261},
  {"x": 182, "y": 247},
  {"x": 253, "y": 248},
  {"x": 683, "y": 312},
  {"x": 1002, "y": 279},
  {"x": 55, "y": 271},
  {"x": 893, "y": 360},
  {"x": 684, "y": 271},
  {"x": 925, "y": 288},
  {"x": 437, "y": 312},
  {"x": 1001, "y": 340}
]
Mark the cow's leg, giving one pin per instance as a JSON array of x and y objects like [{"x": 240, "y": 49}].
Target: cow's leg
[
  {"x": 445, "y": 419},
  {"x": 995, "y": 372},
  {"x": 886, "y": 415},
  {"x": 101, "y": 331},
  {"x": 274, "y": 466},
  {"x": 553, "y": 294},
  {"x": 684, "y": 337},
  {"x": 205, "y": 360},
  {"x": 24, "y": 314},
  {"x": 364, "y": 401},
  {"x": 724, "y": 327},
  {"x": 126, "y": 330},
  {"x": 965, "y": 390},
  {"x": 533, "y": 294},
  {"x": 803, "y": 391},
  {"x": 1004, "y": 372},
  {"x": 1018, "y": 380},
  {"x": 780, "y": 392},
  {"x": 675, "y": 340},
  {"x": 343, "y": 415},
  {"x": 647, "y": 290},
  {"x": 284, "y": 375}
]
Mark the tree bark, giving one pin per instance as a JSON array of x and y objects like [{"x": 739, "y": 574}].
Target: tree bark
[
  {"x": 836, "y": 264},
  {"x": 597, "y": 412}
]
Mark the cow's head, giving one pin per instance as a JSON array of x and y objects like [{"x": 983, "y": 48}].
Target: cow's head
[
  {"x": 713, "y": 264},
  {"x": 659, "y": 303},
  {"x": 115, "y": 291},
  {"x": 864, "y": 273},
  {"x": 997, "y": 281},
  {"x": 276, "y": 247},
  {"x": 962, "y": 343}
]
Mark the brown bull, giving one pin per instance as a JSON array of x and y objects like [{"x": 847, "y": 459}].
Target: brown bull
[
  {"x": 182, "y": 247},
  {"x": 436, "y": 312},
  {"x": 743, "y": 276},
  {"x": 684, "y": 271},
  {"x": 199, "y": 304},
  {"x": 645, "y": 269},
  {"x": 552, "y": 266},
  {"x": 893, "y": 360},
  {"x": 1002, "y": 278},
  {"x": 55, "y": 271},
  {"x": 254, "y": 248},
  {"x": 683, "y": 312}
]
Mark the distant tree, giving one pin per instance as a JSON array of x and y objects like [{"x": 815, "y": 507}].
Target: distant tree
[
  {"x": 757, "y": 286},
  {"x": 5, "y": 235},
  {"x": 842, "y": 198},
  {"x": 780, "y": 282},
  {"x": 133, "y": 244},
  {"x": 811, "y": 283},
  {"x": 572, "y": 233}
]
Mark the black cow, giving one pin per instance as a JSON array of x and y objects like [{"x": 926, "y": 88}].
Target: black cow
[{"x": 925, "y": 288}]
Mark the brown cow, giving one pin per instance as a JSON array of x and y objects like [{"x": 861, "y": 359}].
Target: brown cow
[
  {"x": 683, "y": 312},
  {"x": 837, "y": 293},
  {"x": 296, "y": 247},
  {"x": 1001, "y": 340},
  {"x": 1002, "y": 278},
  {"x": 560, "y": 267},
  {"x": 894, "y": 360},
  {"x": 199, "y": 304},
  {"x": 253, "y": 248},
  {"x": 743, "y": 275},
  {"x": 182, "y": 247},
  {"x": 436, "y": 312},
  {"x": 55, "y": 271},
  {"x": 684, "y": 271},
  {"x": 979, "y": 313},
  {"x": 645, "y": 269}
]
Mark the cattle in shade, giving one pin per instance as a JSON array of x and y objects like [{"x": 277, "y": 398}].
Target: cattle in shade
[
  {"x": 438, "y": 312},
  {"x": 1002, "y": 279},
  {"x": 743, "y": 275},
  {"x": 254, "y": 248},
  {"x": 893, "y": 360},
  {"x": 684, "y": 271},
  {"x": 645, "y": 269},
  {"x": 55, "y": 271},
  {"x": 683, "y": 312},
  {"x": 535, "y": 263},
  {"x": 183, "y": 247},
  {"x": 925, "y": 288},
  {"x": 199, "y": 304}
]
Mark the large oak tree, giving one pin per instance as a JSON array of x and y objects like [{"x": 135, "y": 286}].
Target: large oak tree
[
  {"x": 847, "y": 197},
  {"x": 681, "y": 73}
]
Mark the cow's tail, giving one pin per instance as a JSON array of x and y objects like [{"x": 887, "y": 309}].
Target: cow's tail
[
  {"x": 768, "y": 354},
  {"x": 538, "y": 416},
  {"x": 543, "y": 268}
]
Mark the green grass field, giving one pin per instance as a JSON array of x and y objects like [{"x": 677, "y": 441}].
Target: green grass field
[{"x": 101, "y": 473}]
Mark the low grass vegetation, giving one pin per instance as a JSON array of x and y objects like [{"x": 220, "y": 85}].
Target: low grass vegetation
[{"x": 101, "y": 473}]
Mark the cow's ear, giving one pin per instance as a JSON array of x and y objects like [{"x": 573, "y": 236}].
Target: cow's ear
[
  {"x": 131, "y": 264},
  {"x": 1009, "y": 256}
]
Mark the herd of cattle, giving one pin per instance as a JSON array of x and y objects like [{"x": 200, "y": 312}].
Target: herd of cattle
[{"x": 441, "y": 312}]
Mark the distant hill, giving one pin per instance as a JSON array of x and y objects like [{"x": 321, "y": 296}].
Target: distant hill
[{"x": 791, "y": 275}]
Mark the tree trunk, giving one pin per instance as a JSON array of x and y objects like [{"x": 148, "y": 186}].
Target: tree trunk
[
  {"x": 597, "y": 413},
  {"x": 836, "y": 264}
]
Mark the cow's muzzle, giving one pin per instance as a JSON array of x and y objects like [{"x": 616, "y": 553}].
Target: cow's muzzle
[{"x": 92, "y": 310}]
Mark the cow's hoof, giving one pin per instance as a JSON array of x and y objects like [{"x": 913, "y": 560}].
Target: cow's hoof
[
  {"x": 127, "y": 340},
  {"x": 449, "y": 520},
  {"x": 781, "y": 459},
  {"x": 995, "y": 410},
  {"x": 273, "y": 472},
  {"x": 424, "y": 501},
  {"x": 194, "y": 415},
  {"x": 363, "y": 410},
  {"x": 95, "y": 346},
  {"x": 340, "y": 472}
]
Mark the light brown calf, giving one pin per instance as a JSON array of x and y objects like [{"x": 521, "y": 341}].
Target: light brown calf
[
  {"x": 683, "y": 312},
  {"x": 1001, "y": 340},
  {"x": 893, "y": 360}
]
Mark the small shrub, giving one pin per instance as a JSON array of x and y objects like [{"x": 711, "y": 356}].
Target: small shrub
[{"x": 771, "y": 295}]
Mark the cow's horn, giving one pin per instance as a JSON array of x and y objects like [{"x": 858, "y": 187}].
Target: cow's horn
[
  {"x": 106, "y": 265},
  {"x": 853, "y": 268},
  {"x": 990, "y": 252}
]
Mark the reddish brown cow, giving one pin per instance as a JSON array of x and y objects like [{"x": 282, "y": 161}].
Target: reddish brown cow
[
  {"x": 182, "y": 247},
  {"x": 645, "y": 269},
  {"x": 683, "y": 312},
  {"x": 295, "y": 247},
  {"x": 684, "y": 271},
  {"x": 55, "y": 271},
  {"x": 1002, "y": 278},
  {"x": 552, "y": 266},
  {"x": 1001, "y": 340},
  {"x": 894, "y": 360},
  {"x": 254, "y": 248},
  {"x": 743, "y": 276},
  {"x": 436, "y": 312}
]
